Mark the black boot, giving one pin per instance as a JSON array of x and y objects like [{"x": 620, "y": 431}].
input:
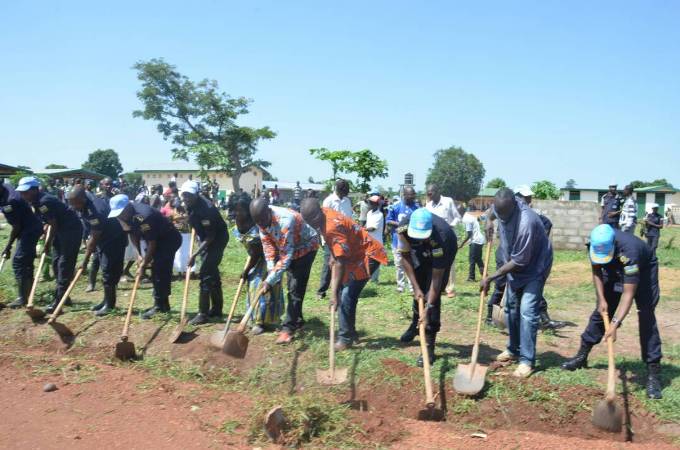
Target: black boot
[
  {"x": 430, "y": 338},
  {"x": 580, "y": 361},
  {"x": 653, "y": 381},
  {"x": 109, "y": 301},
  {"x": 203, "y": 309},
  {"x": 489, "y": 315},
  {"x": 160, "y": 306},
  {"x": 546, "y": 323},
  {"x": 24, "y": 290},
  {"x": 411, "y": 332},
  {"x": 217, "y": 302}
]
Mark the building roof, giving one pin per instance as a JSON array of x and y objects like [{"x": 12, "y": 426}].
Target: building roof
[
  {"x": 176, "y": 166},
  {"x": 72, "y": 173},
  {"x": 487, "y": 192},
  {"x": 660, "y": 189},
  {"x": 8, "y": 170}
]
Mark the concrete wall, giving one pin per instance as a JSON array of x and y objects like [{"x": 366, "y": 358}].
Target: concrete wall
[
  {"x": 572, "y": 221},
  {"x": 250, "y": 179}
]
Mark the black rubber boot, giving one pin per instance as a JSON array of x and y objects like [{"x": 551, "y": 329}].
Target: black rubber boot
[
  {"x": 160, "y": 306},
  {"x": 109, "y": 301},
  {"x": 653, "y": 381},
  {"x": 411, "y": 332},
  {"x": 580, "y": 361},
  {"x": 489, "y": 315},
  {"x": 24, "y": 290},
  {"x": 546, "y": 323},
  {"x": 430, "y": 340},
  {"x": 217, "y": 302},
  {"x": 203, "y": 309}
]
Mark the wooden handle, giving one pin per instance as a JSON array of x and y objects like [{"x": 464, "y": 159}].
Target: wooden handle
[
  {"x": 65, "y": 296},
  {"x": 482, "y": 300},
  {"x": 253, "y": 302},
  {"x": 187, "y": 278},
  {"x": 429, "y": 393},
  {"x": 331, "y": 346},
  {"x": 611, "y": 366},
  {"x": 138, "y": 280},
  {"x": 241, "y": 283},
  {"x": 36, "y": 275},
  {"x": 2, "y": 263}
]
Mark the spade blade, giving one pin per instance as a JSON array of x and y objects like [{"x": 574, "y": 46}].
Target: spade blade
[
  {"x": 125, "y": 350},
  {"x": 235, "y": 344},
  {"x": 330, "y": 378},
  {"x": 469, "y": 380},
  {"x": 608, "y": 415}
]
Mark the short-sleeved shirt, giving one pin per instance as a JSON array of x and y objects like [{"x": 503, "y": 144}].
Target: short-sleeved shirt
[
  {"x": 628, "y": 217},
  {"x": 49, "y": 207},
  {"x": 375, "y": 219},
  {"x": 287, "y": 238},
  {"x": 656, "y": 219},
  {"x": 149, "y": 224},
  {"x": 396, "y": 214},
  {"x": 204, "y": 216},
  {"x": 343, "y": 205},
  {"x": 96, "y": 216},
  {"x": 472, "y": 226},
  {"x": 525, "y": 242},
  {"x": 437, "y": 252},
  {"x": 347, "y": 240},
  {"x": 446, "y": 209},
  {"x": 611, "y": 203},
  {"x": 632, "y": 257},
  {"x": 364, "y": 208},
  {"x": 547, "y": 224},
  {"x": 18, "y": 212}
]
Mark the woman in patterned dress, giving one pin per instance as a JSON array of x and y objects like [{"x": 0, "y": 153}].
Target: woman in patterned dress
[{"x": 266, "y": 315}]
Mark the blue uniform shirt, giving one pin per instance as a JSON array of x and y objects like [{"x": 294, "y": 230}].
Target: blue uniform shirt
[
  {"x": 96, "y": 216},
  {"x": 149, "y": 224},
  {"x": 611, "y": 203},
  {"x": 656, "y": 220},
  {"x": 203, "y": 216},
  {"x": 396, "y": 214},
  {"x": 18, "y": 212},
  {"x": 439, "y": 251},
  {"x": 49, "y": 207},
  {"x": 632, "y": 256}
]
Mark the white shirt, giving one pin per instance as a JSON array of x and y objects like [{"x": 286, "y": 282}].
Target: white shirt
[
  {"x": 446, "y": 209},
  {"x": 375, "y": 219},
  {"x": 343, "y": 206},
  {"x": 472, "y": 224}
]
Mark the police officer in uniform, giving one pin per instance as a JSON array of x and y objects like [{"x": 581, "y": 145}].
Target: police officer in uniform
[
  {"x": 611, "y": 207},
  {"x": 624, "y": 270},
  {"x": 428, "y": 247},
  {"x": 211, "y": 230},
  {"x": 67, "y": 233},
  {"x": 105, "y": 193},
  {"x": 27, "y": 229},
  {"x": 107, "y": 241},
  {"x": 163, "y": 240},
  {"x": 653, "y": 226}
]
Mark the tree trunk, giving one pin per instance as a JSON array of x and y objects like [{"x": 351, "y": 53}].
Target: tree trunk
[{"x": 236, "y": 179}]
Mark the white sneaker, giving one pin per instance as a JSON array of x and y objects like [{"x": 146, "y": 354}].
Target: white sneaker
[
  {"x": 506, "y": 356},
  {"x": 523, "y": 371},
  {"x": 400, "y": 289}
]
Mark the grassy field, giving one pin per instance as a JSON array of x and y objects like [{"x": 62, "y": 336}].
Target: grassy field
[{"x": 285, "y": 375}]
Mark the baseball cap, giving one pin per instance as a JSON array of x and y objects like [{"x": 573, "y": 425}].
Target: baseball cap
[
  {"x": 189, "y": 186},
  {"x": 374, "y": 198},
  {"x": 613, "y": 183},
  {"x": 420, "y": 224},
  {"x": 653, "y": 205},
  {"x": 118, "y": 204},
  {"x": 602, "y": 244},
  {"x": 524, "y": 190},
  {"x": 27, "y": 183}
]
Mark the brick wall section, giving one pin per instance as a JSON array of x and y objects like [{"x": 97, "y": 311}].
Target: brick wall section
[{"x": 572, "y": 221}]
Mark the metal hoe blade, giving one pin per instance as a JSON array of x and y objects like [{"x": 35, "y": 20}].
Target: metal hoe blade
[
  {"x": 125, "y": 350},
  {"x": 330, "y": 378},
  {"x": 62, "y": 330},
  {"x": 179, "y": 329},
  {"x": 235, "y": 344},
  {"x": 431, "y": 414},
  {"x": 608, "y": 415},
  {"x": 35, "y": 313}
]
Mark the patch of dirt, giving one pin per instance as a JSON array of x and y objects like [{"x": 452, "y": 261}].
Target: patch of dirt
[
  {"x": 669, "y": 280},
  {"x": 569, "y": 274}
]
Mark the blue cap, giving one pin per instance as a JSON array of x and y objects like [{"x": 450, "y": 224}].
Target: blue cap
[
  {"x": 27, "y": 183},
  {"x": 420, "y": 224},
  {"x": 118, "y": 204},
  {"x": 602, "y": 244}
]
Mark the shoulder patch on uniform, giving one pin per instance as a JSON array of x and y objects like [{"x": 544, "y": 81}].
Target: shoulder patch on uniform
[
  {"x": 624, "y": 259},
  {"x": 139, "y": 218},
  {"x": 94, "y": 221},
  {"x": 43, "y": 209},
  {"x": 8, "y": 209},
  {"x": 402, "y": 229},
  {"x": 205, "y": 222},
  {"x": 631, "y": 270},
  {"x": 145, "y": 227},
  {"x": 437, "y": 252}
]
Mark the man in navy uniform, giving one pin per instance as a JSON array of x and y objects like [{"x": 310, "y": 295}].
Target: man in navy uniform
[
  {"x": 163, "y": 240},
  {"x": 653, "y": 226},
  {"x": 624, "y": 270},
  {"x": 428, "y": 248},
  {"x": 611, "y": 206},
  {"x": 26, "y": 228},
  {"x": 107, "y": 241},
  {"x": 211, "y": 230},
  {"x": 66, "y": 236}
]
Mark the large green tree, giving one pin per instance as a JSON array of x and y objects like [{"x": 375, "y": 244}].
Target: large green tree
[
  {"x": 367, "y": 166},
  {"x": 496, "y": 183},
  {"x": 545, "y": 190},
  {"x": 55, "y": 166},
  {"x": 199, "y": 119},
  {"x": 457, "y": 173},
  {"x": 658, "y": 182},
  {"x": 105, "y": 162},
  {"x": 338, "y": 159}
]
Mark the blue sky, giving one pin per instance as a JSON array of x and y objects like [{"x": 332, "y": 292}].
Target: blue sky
[{"x": 537, "y": 90}]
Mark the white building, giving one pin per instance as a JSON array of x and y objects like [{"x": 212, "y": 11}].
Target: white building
[{"x": 661, "y": 195}]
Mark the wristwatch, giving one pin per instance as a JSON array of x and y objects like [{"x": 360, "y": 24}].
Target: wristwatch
[{"x": 615, "y": 321}]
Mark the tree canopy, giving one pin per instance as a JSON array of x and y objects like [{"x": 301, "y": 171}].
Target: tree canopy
[
  {"x": 457, "y": 173},
  {"x": 496, "y": 183},
  {"x": 545, "y": 190},
  {"x": 339, "y": 159},
  {"x": 105, "y": 162},
  {"x": 658, "y": 182},
  {"x": 365, "y": 164},
  {"x": 571, "y": 183},
  {"x": 199, "y": 119},
  {"x": 55, "y": 166}
]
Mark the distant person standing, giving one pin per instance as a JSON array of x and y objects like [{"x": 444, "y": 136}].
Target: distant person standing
[
  {"x": 628, "y": 217},
  {"x": 399, "y": 210},
  {"x": 340, "y": 202},
  {"x": 363, "y": 210},
  {"x": 297, "y": 194},
  {"x": 611, "y": 206},
  {"x": 653, "y": 226},
  {"x": 375, "y": 225},
  {"x": 445, "y": 208},
  {"x": 275, "y": 195},
  {"x": 474, "y": 235}
]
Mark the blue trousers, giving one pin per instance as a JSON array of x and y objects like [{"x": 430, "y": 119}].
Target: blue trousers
[
  {"x": 522, "y": 310},
  {"x": 22, "y": 263},
  {"x": 347, "y": 315}
]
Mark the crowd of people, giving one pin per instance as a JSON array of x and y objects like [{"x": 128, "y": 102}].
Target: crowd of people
[{"x": 154, "y": 229}]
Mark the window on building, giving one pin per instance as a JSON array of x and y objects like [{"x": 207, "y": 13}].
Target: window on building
[{"x": 575, "y": 195}]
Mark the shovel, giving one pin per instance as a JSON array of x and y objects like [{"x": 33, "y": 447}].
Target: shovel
[
  {"x": 608, "y": 414},
  {"x": 125, "y": 349},
  {"x": 236, "y": 341},
  {"x": 60, "y": 328},
  {"x": 469, "y": 378},
  {"x": 217, "y": 338},
  {"x": 183, "y": 314},
  {"x": 498, "y": 312},
  {"x": 36, "y": 313},
  {"x": 430, "y": 412},
  {"x": 331, "y": 376}
]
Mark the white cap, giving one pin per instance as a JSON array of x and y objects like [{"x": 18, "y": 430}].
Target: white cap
[
  {"x": 653, "y": 205},
  {"x": 190, "y": 186},
  {"x": 613, "y": 183},
  {"x": 27, "y": 183},
  {"x": 524, "y": 190}
]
